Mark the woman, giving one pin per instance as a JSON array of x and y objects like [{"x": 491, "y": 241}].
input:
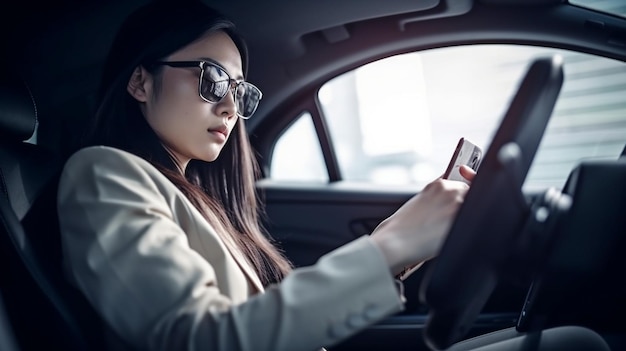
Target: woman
[{"x": 158, "y": 210}]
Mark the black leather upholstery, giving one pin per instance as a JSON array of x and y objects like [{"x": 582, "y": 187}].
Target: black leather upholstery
[
  {"x": 7, "y": 340},
  {"x": 24, "y": 168},
  {"x": 35, "y": 294},
  {"x": 588, "y": 258},
  {"x": 18, "y": 112}
]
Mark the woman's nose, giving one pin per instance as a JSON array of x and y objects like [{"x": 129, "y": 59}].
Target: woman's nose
[{"x": 228, "y": 106}]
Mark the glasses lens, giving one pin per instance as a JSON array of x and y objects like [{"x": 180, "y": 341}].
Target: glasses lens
[
  {"x": 247, "y": 97},
  {"x": 215, "y": 83}
]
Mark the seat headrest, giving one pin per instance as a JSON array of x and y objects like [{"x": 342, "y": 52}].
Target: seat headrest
[{"x": 18, "y": 113}]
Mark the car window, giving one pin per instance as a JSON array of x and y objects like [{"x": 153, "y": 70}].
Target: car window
[
  {"x": 397, "y": 121},
  {"x": 614, "y": 7},
  {"x": 297, "y": 155}
]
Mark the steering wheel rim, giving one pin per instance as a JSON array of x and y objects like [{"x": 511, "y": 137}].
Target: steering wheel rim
[{"x": 469, "y": 265}]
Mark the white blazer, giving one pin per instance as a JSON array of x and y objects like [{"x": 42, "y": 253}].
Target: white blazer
[{"x": 162, "y": 278}]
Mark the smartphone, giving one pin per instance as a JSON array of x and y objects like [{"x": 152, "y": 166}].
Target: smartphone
[{"x": 466, "y": 153}]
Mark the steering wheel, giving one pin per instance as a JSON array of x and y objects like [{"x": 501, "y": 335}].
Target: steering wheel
[{"x": 483, "y": 236}]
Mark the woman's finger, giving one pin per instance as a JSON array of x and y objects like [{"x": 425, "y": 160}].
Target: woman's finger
[{"x": 467, "y": 172}]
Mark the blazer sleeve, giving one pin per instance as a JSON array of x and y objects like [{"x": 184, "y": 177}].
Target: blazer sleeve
[{"x": 125, "y": 252}]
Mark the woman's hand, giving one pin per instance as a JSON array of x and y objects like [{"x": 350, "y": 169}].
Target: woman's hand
[{"x": 416, "y": 231}]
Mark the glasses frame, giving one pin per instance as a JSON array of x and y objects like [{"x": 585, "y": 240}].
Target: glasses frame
[{"x": 233, "y": 83}]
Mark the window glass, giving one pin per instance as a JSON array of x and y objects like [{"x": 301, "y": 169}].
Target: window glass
[
  {"x": 297, "y": 155},
  {"x": 613, "y": 7},
  {"x": 397, "y": 121}
]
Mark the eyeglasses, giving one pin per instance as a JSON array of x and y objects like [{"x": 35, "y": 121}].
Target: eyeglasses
[{"x": 214, "y": 84}]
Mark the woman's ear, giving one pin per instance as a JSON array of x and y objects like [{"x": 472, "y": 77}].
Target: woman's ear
[{"x": 139, "y": 84}]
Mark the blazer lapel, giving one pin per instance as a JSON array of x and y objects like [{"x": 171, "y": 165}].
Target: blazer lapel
[
  {"x": 226, "y": 240},
  {"x": 244, "y": 265}
]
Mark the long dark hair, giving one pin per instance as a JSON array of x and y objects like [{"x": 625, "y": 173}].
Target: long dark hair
[{"x": 223, "y": 190}]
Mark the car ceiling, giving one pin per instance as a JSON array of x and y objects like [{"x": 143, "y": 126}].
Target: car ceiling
[
  {"x": 73, "y": 36},
  {"x": 293, "y": 44}
]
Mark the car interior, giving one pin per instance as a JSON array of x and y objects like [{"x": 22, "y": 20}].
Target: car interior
[{"x": 538, "y": 242}]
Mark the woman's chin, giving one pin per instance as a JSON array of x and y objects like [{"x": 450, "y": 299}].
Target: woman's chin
[{"x": 208, "y": 157}]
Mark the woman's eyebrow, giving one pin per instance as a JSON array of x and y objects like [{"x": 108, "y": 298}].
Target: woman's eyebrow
[{"x": 208, "y": 59}]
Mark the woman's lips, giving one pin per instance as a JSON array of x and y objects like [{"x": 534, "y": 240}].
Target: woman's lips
[{"x": 221, "y": 133}]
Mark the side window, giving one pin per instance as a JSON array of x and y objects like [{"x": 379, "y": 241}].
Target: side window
[
  {"x": 396, "y": 121},
  {"x": 297, "y": 155}
]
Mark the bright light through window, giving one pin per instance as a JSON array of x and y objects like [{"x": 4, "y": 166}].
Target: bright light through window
[
  {"x": 392, "y": 93},
  {"x": 396, "y": 121}
]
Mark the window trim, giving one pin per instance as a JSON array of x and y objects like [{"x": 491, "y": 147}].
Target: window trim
[
  {"x": 326, "y": 142},
  {"x": 270, "y": 133}
]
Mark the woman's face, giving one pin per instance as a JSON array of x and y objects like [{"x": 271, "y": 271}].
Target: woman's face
[{"x": 189, "y": 127}]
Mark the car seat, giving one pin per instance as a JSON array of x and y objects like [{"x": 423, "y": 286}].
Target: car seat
[{"x": 41, "y": 306}]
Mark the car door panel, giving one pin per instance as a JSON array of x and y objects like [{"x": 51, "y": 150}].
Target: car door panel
[{"x": 309, "y": 220}]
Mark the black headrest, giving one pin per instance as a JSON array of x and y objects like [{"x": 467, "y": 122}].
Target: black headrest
[{"x": 18, "y": 113}]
